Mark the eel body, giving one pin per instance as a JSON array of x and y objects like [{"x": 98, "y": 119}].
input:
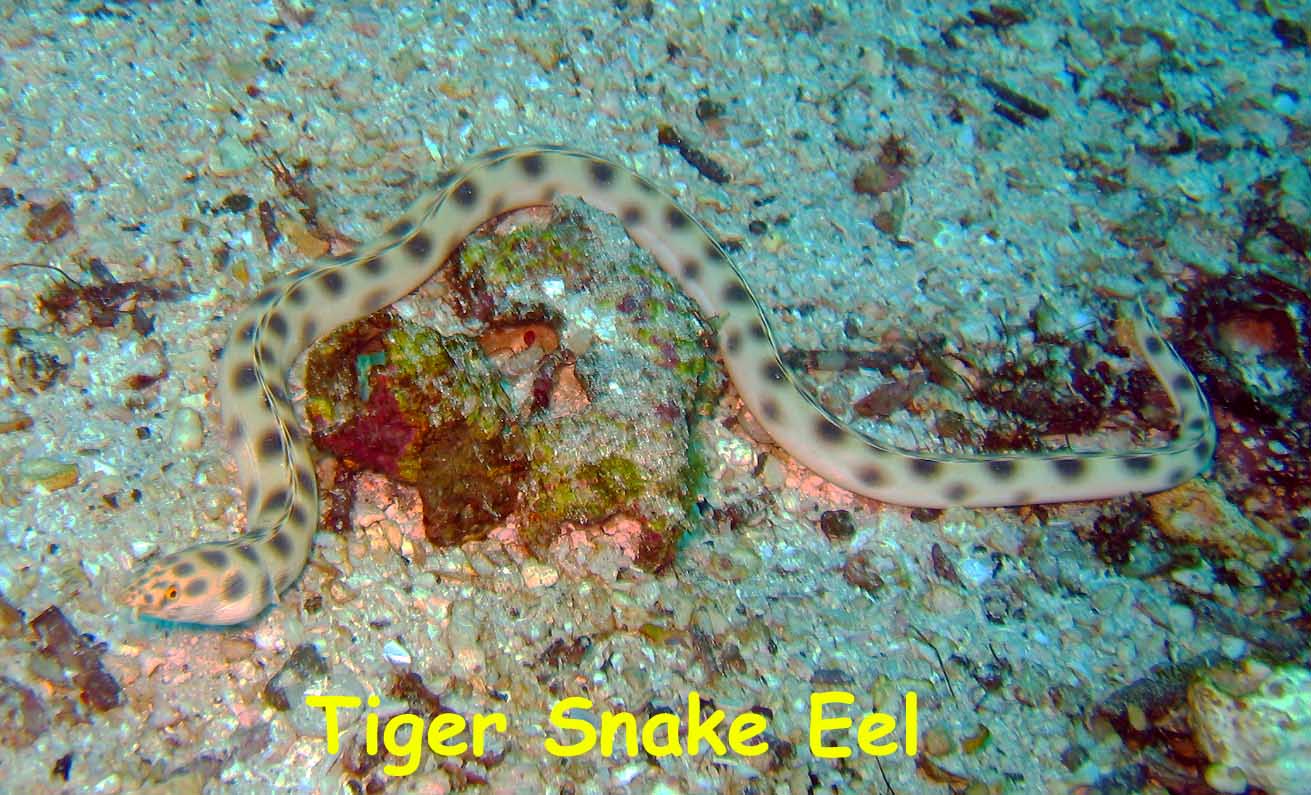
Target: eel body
[{"x": 228, "y": 582}]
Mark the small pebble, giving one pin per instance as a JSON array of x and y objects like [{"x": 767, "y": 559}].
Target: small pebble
[
  {"x": 1137, "y": 718},
  {"x": 48, "y": 473},
  {"x": 943, "y": 565},
  {"x": 975, "y": 570},
  {"x": 237, "y": 203},
  {"x": 396, "y": 654},
  {"x": 48, "y": 224},
  {"x": 192, "y": 783},
  {"x": 943, "y": 600},
  {"x": 27, "y": 716},
  {"x": 773, "y": 473},
  {"x": 936, "y": 741},
  {"x": 1073, "y": 757},
  {"x": 538, "y": 575},
  {"x": 235, "y": 649},
  {"x": 977, "y": 740},
  {"x": 859, "y": 571},
  {"x": 837, "y": 525},
  {"x": 11, "y": 420},
  {"x": 187, "y": 431},
  {"x": 215, "y": 505},
  {"x": 627, "y": 773},
  {"x": 1038, "y": 36},
  {"x": 11, "y": 620},
  {"x": 1233, "y": 648},
  {"x": 1181, "y": 618},
  {"x": 1291, "y": 35},
  {"x": 829, "y": 677},
  {"x": 1109, "y": 596},
  {"x": 1226, "y": 778},
  {"x": 36, "y": 359},
  {"x": 287, "y": 687},
  {"x": 462, "y": 639},
  {"x": 230, "y": 156}
]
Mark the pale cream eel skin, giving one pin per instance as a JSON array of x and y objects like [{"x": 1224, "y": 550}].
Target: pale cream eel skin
[{"x": 228, "y": 582}]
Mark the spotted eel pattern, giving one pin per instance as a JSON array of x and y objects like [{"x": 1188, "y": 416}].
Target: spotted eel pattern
[{"x": 227, "y": 582}]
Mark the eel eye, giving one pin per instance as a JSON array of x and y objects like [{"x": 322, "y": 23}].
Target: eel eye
[{"x": 171, "y": 594}]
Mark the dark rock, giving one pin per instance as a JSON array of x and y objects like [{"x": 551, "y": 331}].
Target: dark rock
[
  {"x": 23, "y": 714},
  {"x": 76, "y": 655},
  {"x": 288, "y": 686},
  {"x": 837, "y": 525}
]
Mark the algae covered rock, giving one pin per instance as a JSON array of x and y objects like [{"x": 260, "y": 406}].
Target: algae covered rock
[
  {"x": 555, "y": 389},
  {"x": 1254, "y": 723}
]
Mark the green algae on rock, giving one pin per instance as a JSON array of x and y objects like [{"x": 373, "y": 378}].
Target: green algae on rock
[{"x": 569, "y": 403}]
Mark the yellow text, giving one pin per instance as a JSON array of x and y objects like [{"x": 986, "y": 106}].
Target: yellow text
[
  {"x": 874, "y": 726},
  {"x": 663, "y": 734},
  {"x": 405, "y": 735}
]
